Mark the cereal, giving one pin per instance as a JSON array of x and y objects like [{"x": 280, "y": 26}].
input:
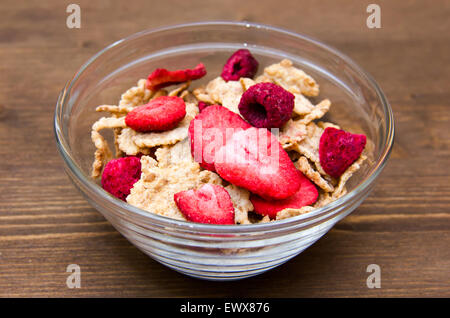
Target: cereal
[
  {"x": 136, "y": 95},
  {"x": 241, "y": 203},
  {"x": 305, "y": 167},
  {"x": 166, "y": 158},
  {"x": 309, "y": 146},
  {"x": 246, "y": 83},
  {"x": 292, "y": 132},
  {"x": 102, "y": 154},
  {"x": 113, "y": 109},
  {"x": 162, "y": 178},
  {"x": 340, "y": 189},
  {"x": 317, "y": 112},
  {"x": 291, "y": 78},
  {"x": 177, "y": 91},
  {"x": 324, "y": 199},
  {"x": 263, "y": 79},
  {"x": 202, "y": 96},
  {"x": 189, "y": 97},
  {"x": 324, "y": 125},
  {"x": 288, "y": 213},
  {"x": 302, "y": 105},
  {"x": 126, "y": 144},
  {"x": 109, "y": 122},
  {"x": 227, "y": 94}
]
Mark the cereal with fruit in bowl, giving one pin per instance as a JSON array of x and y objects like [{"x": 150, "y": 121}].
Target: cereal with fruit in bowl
[{"x": 242, "y": 149}]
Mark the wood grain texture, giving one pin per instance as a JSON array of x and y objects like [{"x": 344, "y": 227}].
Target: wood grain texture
[{"x": 404, "y": 226}]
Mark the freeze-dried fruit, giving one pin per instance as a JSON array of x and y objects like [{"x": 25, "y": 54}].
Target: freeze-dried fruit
[
  {"x": 306, "y": 195},
  {"x": 169, "y": 137},
  {"x": 120, "y": 175},
  {"x": 162, "y": 77},
  {"x": 202, "y": 106},
  {"x": 265, "y": 176},
  {"x": 209, "y": 204},
  {"x": 209, "y": 131},
  {"x": 240, "y": 64},
  {"x": 254, "y": 159},
  {"x": 338, "y": 149},
  {"x": 266, "y": 105},
  {"x": 160, "y": 114}
]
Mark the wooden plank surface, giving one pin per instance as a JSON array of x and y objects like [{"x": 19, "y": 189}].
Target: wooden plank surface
[{"x": 404, "y": 226}]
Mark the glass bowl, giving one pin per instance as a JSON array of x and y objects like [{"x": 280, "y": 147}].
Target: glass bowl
[{"x": 220, "y": 252}]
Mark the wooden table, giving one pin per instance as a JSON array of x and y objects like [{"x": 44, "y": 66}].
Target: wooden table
[{"x": 404, "y": 226}]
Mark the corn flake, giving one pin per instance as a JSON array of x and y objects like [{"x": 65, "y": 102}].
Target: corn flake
[
  {"x": 291, "y": 78},
  {"x": 241, "y": 202},
  {"x": 304, "y": 166},
  {"x": 288, "y": 213},
  {"x": 228, "y": 94},
  {"x": 102, "y": 153},
  {"x": 162, "y": 178}
]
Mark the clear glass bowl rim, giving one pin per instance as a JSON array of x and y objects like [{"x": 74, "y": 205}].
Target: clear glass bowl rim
[{"x": 149, "y": 217}]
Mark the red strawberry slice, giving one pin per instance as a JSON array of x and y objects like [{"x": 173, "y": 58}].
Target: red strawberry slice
[
  {"x": 209, "y": 204},
  {"x": 209, "y": 131},
  {"x": 338, "y": 149},
  {"x": 162, "y": 113},
  {"x": 161, "y": 77},
  {"x": 306, "y": 195},
  {"x": 254, "y": 159}
]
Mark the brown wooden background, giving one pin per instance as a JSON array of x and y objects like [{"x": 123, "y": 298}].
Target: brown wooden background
[{"x": 404, "y": 226}]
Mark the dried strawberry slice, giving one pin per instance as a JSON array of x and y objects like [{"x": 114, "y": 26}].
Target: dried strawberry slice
[
  {"x": 161, "y": 77},
  {"x": 209, "y": 130},
  {"x": 338, "y": 149},
  {"x": 160, "y": 114},
  {"x": 254, "y": 159},
  {"x": 306, "y": 195},
  {"x": 209, "y": 204}
]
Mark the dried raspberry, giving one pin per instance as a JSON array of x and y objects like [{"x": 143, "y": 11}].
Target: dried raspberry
[
  {"x": 338, "y": 149},
  {"x": 266, "y": 105},
  {"x": 161, "y": 77},
  {"x": 160, "y": 114},
  {"x": 120, "y": 175},
  {"x": 202, "y": 105},
  {"x": 240, "y": 64}
]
